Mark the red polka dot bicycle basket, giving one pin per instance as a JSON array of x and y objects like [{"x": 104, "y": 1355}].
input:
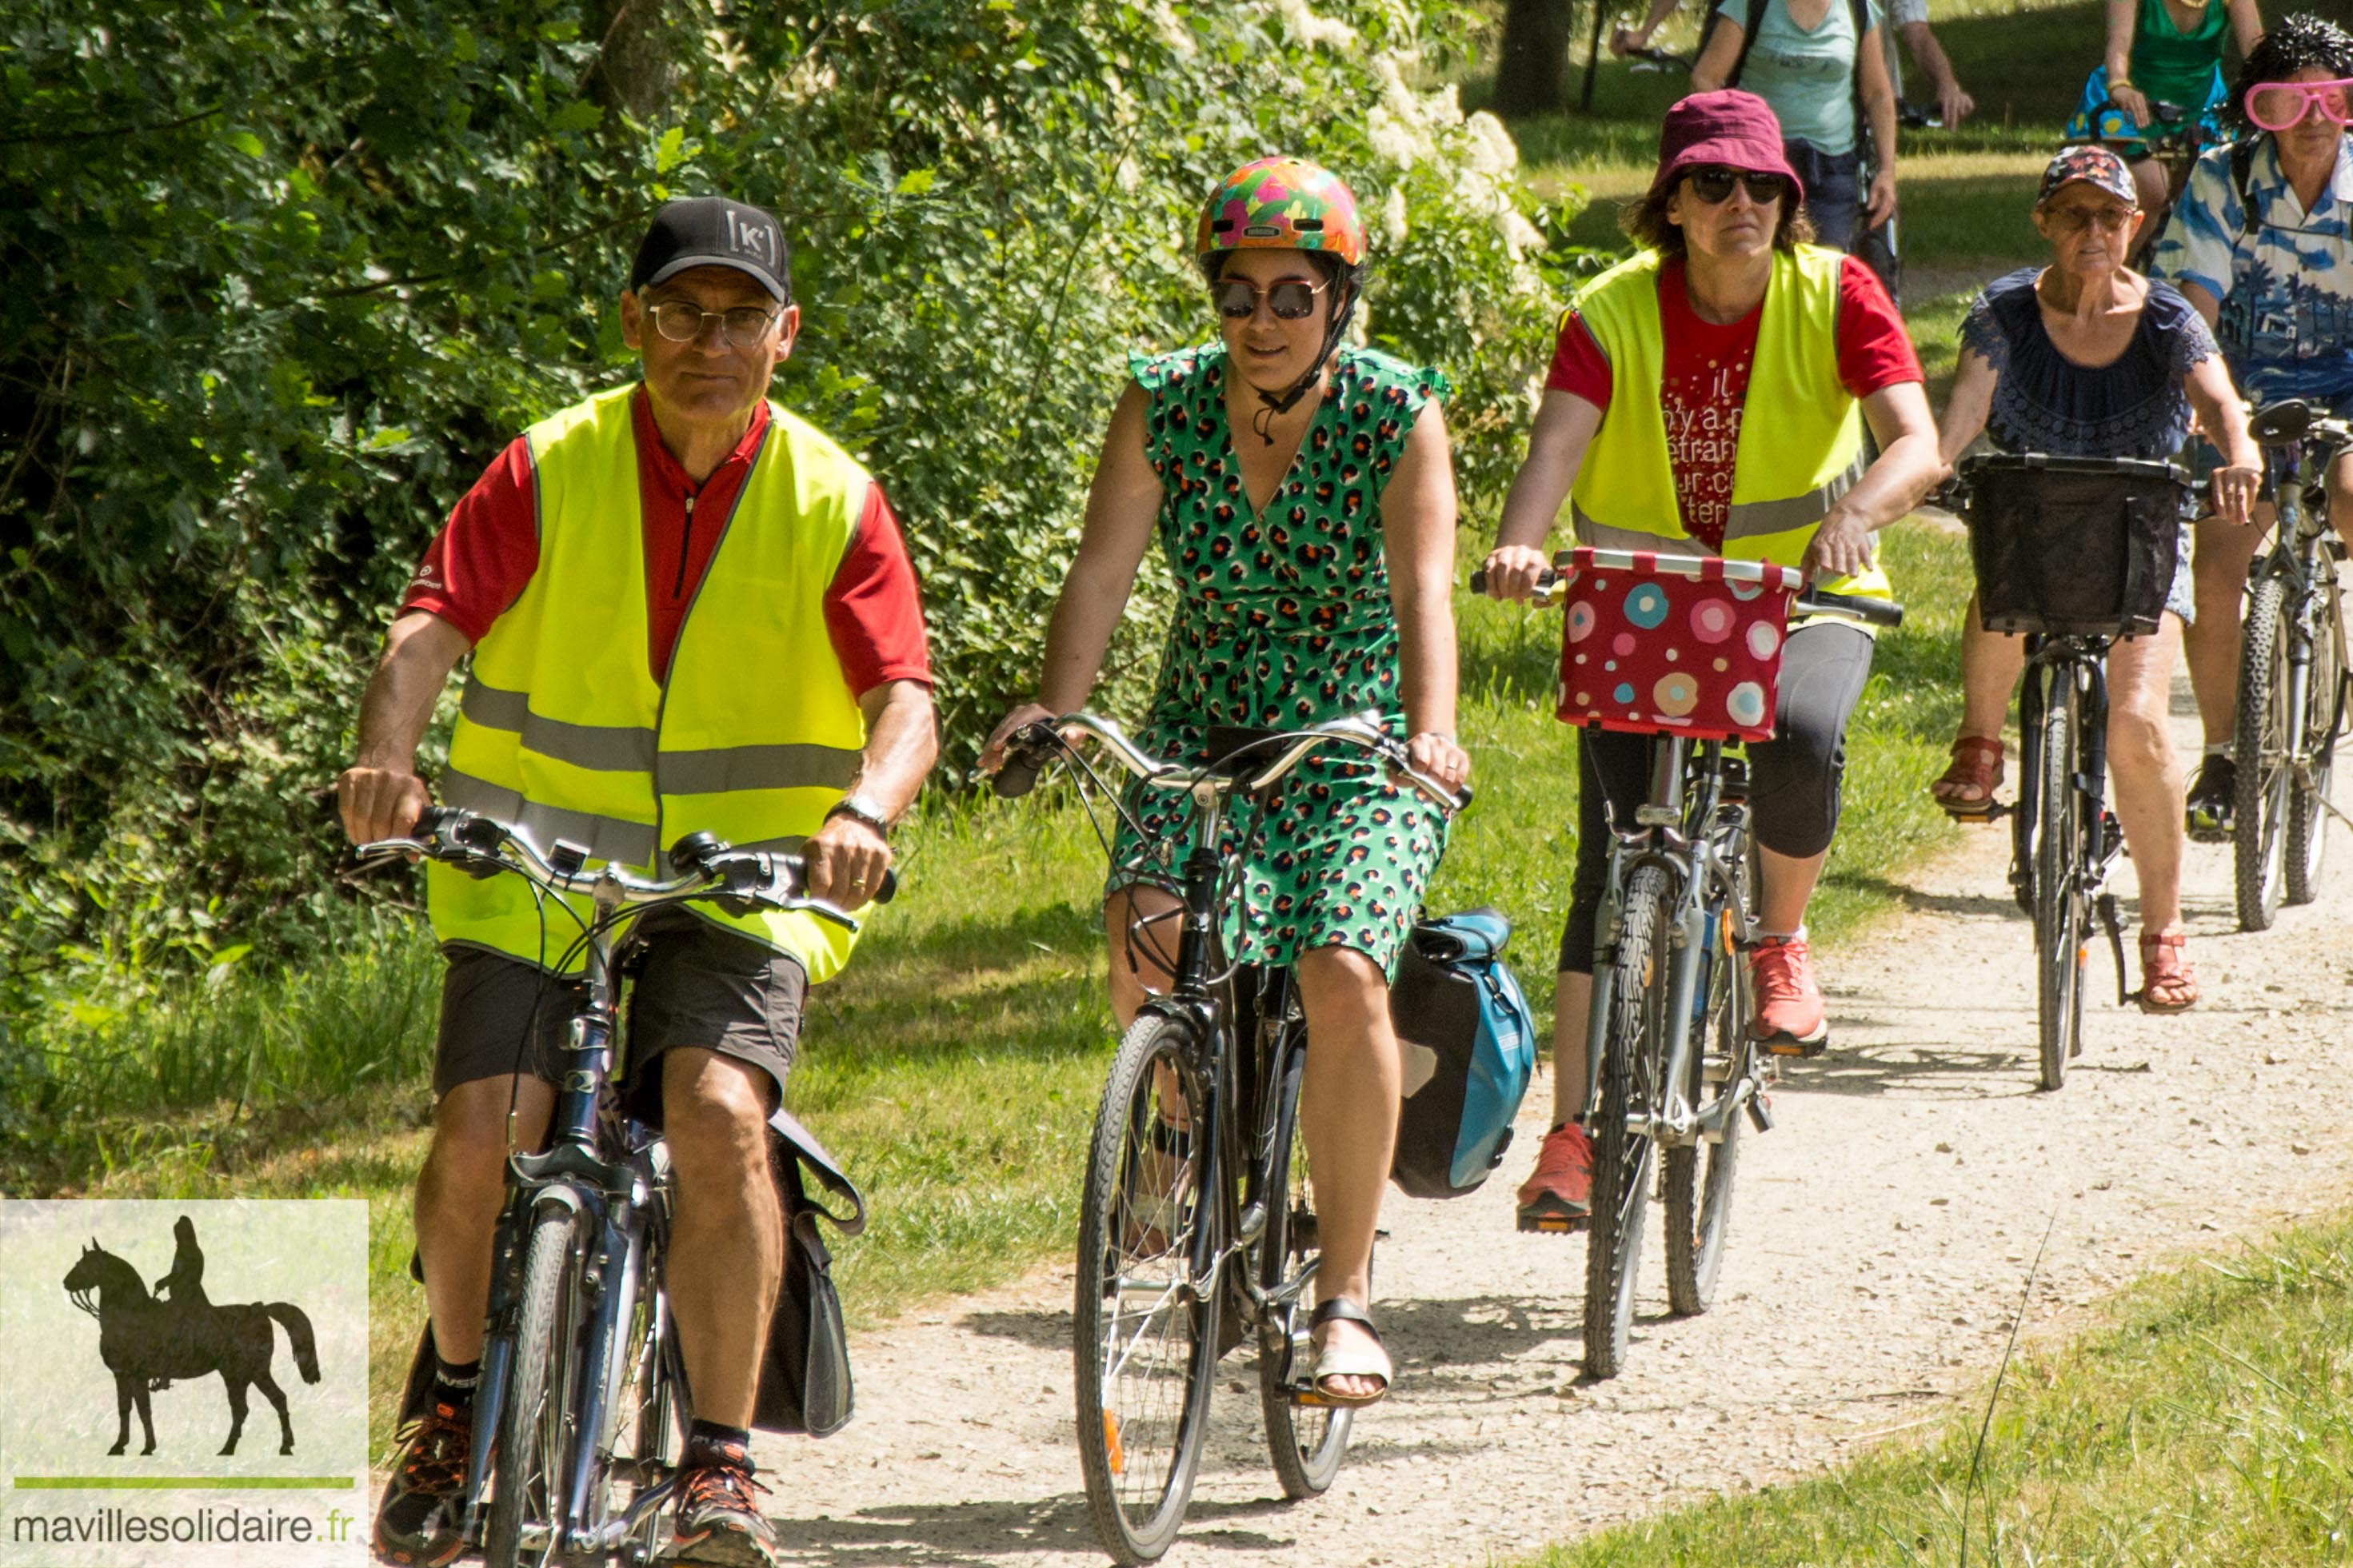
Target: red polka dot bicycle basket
[{"x": 1685, "y": 645}]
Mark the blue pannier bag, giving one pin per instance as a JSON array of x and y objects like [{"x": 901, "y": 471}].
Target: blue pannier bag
[{"x": 1469, "y": 1050}]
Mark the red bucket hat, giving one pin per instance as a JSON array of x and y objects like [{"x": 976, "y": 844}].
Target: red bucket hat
[{"x": 1727, "y": 126}]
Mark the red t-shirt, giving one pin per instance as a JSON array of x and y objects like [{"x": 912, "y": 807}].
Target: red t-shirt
[
  {"x": 478, "y": 565},
  {"x": 1704, "y": 379}
]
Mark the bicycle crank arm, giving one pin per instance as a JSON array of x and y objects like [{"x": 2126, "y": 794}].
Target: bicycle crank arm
[
  {"x": 2107, "y": 906},
  {"x": 607, "y": 1540}
]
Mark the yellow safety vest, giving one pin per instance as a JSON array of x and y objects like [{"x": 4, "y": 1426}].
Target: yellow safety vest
[
  {"x": 1800, "y": 444},
  {"x": 564, "y": 730}
]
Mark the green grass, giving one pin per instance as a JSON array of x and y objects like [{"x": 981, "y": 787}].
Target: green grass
[{"x": 2202, "y": 1421}]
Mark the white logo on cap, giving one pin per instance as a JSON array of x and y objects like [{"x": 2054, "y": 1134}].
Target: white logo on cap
[{"x": 747, "y": 239}]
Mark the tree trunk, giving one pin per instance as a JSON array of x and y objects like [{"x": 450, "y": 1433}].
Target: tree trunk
[
  {"x": 634, "y": 71},
  {"x": 1531, "y": 67}
]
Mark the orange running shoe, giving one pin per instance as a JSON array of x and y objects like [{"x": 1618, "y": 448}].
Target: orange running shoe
[
  {"x": 1559, "y": 1197},
  {"x": 1790, "y": 1020}
]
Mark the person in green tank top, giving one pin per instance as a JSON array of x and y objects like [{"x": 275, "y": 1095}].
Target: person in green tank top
[
  {"x": 1302, "y": 494},
  {"x": 2160, "y": 51}
]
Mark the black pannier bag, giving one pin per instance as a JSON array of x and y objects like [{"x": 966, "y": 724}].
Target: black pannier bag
[
  {"x": 1468, "y": 1048},
  {"x": 2074, "y": 546}
]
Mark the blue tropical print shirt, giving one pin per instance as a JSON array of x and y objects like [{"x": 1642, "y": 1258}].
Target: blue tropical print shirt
[{"x": 2286, "y": 292}]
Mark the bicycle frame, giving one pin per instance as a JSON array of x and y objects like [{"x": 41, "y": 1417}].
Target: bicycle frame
[
  {"x": 1239, "y": 1215},
  {"x": 1686, "y": 831}
]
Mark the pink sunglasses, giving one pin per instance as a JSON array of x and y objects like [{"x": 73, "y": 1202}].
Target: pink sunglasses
[{"x": 2281, "y": 105}]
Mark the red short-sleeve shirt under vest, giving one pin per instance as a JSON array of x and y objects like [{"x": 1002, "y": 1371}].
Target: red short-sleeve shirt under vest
[
  {"x": 480, "y": 562},
  {"x": 1704, "y": 378}
]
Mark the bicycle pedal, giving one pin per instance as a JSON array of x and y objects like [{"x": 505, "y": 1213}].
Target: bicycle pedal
[
  {"x": 1553, "y": 1223},
  {"x": 1760, "y": 1113}
]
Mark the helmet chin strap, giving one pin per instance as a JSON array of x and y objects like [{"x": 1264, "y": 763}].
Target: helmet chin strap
[{"x": 1273, "y": 407}]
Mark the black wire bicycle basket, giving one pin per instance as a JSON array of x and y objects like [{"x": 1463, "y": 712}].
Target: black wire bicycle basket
[{"x": 2074, "y": 546}]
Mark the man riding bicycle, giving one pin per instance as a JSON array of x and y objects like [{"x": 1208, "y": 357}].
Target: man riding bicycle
[
  {"x": 688, "y": 610},
  {"x": 2262, "y": 243}
]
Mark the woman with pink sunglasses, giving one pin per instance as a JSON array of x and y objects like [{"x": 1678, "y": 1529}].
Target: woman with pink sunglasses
[{"x": 2261, "y": 245}]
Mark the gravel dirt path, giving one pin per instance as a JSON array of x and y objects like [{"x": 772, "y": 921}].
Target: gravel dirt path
[{"x": 1881, "y": 1239}]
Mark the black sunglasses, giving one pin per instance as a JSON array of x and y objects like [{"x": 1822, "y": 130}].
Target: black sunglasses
[
  {"x": 1712, "y": 184},
  {"x": 1290, "y": 300}
]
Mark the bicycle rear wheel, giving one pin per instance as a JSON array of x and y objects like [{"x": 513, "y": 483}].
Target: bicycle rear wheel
[
  {"x": 2324, "y": 713},
  {"x": 1622, "y": 1158},
  {"x": 2058, "y": 899},
  {"x": 2259, "y": 744},
  {"x": 1308, "y": 1441},
  {"x": 1696, "y": 1178},
  {"x": 1147, "y": 1339},
  {"x": 535, "y": 1427}
]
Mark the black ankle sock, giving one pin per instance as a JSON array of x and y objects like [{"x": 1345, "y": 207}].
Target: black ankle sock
[
  {"x": 711, "y": 1434},
  {"x": 455, "y": 1381}
]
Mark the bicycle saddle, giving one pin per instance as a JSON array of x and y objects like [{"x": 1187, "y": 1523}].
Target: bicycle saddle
[{"x": 2277, "y": 424}]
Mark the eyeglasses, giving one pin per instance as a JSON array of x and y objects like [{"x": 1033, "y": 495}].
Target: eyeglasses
[
  {"x": 2076, "y": 220},
  {"x": 681, "y": 320},
  {"x": 1291, "y": 300},
  {"x": 2280, "y": 105},
  {"x": 1713, "y": 184}
]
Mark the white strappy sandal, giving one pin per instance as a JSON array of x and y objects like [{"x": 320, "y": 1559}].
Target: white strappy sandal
[{"x": 1350, "y": 1359}]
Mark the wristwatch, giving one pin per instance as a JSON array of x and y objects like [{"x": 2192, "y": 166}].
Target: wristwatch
[{"x": 863, "y": 809}]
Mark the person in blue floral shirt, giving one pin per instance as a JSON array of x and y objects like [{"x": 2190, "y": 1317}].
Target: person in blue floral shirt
[{"x": 2261, "y": 245}]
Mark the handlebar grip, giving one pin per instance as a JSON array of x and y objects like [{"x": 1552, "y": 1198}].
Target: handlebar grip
[
  {"x": 1877, "y": 611},
  {"x": 1027, "y": 751},
  {"x": 890, "y": 888},
  {"x": 1544, "y": 579}
]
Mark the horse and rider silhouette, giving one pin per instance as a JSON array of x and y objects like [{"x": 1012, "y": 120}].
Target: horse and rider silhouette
[{"x": 148, "y": 1342}]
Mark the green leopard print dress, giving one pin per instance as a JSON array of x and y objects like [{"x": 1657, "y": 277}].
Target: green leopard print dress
[{"x": 1283, "y": 619}]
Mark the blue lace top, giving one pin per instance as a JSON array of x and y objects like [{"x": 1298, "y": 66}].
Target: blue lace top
[{"x": 2044, "y": 402}]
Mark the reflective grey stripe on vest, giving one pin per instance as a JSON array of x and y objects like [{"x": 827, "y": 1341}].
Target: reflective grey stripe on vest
[
  {"x": 1603, "y": 536},
  {"x": 599, "y": 748},
  {"x": 725, "y": 768},
  {"x": 604, "y": 838},
  {"x": 626, "y": 749},
  {"x": 1756, "y": 518}
]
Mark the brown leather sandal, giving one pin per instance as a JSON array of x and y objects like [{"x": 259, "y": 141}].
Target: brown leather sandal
[
  {"x": 2168, "y": 984},
  {"x": 1976, "y": 770}
]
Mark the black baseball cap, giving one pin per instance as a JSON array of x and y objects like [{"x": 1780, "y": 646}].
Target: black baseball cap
[{"x": 711, "y": 231}]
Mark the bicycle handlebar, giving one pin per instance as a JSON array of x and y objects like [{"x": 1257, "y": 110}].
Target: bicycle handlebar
[
  {"x": 1810, "y": 602},
  {"x": 1030, "y": 748},
  {"x": 738, "y": 881}
]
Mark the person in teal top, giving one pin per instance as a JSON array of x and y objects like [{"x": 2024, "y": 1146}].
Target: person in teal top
[
  {"x": 1302, "y": 494},
  {"x": 2160, "y": 51},
  {"x": 1822, "y": 67}
]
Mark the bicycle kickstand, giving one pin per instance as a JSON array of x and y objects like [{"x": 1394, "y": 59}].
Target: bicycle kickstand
[{"x": 2107, "y": 905}]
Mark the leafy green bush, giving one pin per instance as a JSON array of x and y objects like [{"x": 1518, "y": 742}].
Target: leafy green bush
[{"x": 286, "y": 275}]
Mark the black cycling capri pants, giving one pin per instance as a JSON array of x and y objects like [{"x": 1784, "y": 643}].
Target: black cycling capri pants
[{"x": 1795, "y": 778}]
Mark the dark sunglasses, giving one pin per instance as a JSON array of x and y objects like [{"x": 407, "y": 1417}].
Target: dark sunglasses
[
  {"x": 1290, "y": 300},
  {"x": 1712, "y": 184}
]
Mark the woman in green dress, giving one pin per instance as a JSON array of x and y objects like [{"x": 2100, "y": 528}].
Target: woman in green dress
[
  {"x": 2160, "y": 51},
  {"x": 1303, "y": 497}
]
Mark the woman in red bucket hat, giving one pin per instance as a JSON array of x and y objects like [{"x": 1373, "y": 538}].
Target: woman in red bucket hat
[{"x": 1727, "y": 309}]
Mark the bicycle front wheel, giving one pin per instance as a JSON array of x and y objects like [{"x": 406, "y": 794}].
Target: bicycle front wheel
[
  {"x": 1308, "y": 1441},
  {"x": 535, "y": 1427},
  {"x": 2058, "y": 897},
  {"x": 1631, "y": 1057},
  {"x": 2260, "y": 745},
  {"x": 2323, "y": 715},
  {"x": 1697, "y": 1177},
  {"x": 1146, "y": 1330}
]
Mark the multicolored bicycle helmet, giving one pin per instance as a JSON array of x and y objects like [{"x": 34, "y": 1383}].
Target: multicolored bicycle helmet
[{"x": 1281, "y": 204}]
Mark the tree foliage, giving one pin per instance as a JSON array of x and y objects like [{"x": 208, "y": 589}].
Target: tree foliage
[{"x": 284, "y": 276}]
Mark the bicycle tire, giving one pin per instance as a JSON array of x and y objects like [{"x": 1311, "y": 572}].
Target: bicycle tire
[
  {"x": 1698, "y": 1191},
  {"x": 2308, "y": 804},
  {"x": 1307, "y": 1442},
  {"x": 2259, "y": 745},
  {"x": 1122, "y": 1416},
  {"x": 1623, "y": 1159},
  {"x": 643, "y": 1435},
  {"x": 2058, "y": 900},
  {"x": 523, "y": 1489}
]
